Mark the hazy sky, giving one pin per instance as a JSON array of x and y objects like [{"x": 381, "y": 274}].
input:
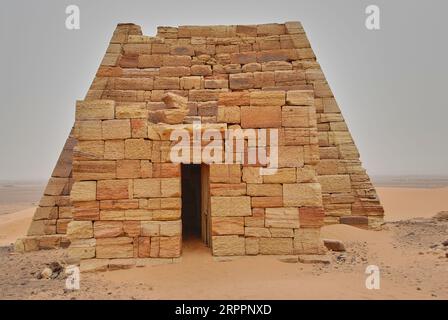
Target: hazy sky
[{"x": 391, "y": 84}]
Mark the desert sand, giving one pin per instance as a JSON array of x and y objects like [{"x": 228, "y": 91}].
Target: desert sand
[{"x": 407, "y": 250}]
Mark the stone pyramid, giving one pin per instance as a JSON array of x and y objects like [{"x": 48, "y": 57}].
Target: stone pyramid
[{"x": 248, "y": 76}]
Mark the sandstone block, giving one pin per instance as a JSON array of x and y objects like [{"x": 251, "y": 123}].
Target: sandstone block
[
  {"x": 228, "y": 245},
  {"x": 306, "y": 241},
  {"x": 227, "y": 226},
  {"x": 170, "y": 247},
  {"x": 147, "y": 188},
  {"x": 201, "y": 70},
  {"x": 252, "y": 247},
  {"x": 276, "y": 245},
  {"x": 95, "y": 110},
  {"x": 86, "y": 210},
  {"x": 144, "y": 247},
  {"x": 229, "y": 114},
  {"x": 136, "y": 110},
  {"x": 170, "y": 228},
  {"x": 228, "y": 189},
  {"x": 94, "y": 170},
  {"x": 267, "y": 98},
  {"x": 128, "y": 169},
  {"x": 115, "y": 251},
  {"x": 298, "y": 117},
  {"x": 83, "y": 191},
  {"x": 267, "y": 202},
  {"x": 261, "y": 117},
  {"x": 137, "y": 149},
  {"x": 291, "y": 156},
  {"x": 300, "y": 97},
  {"x": 116, "y": 129},
  {"x": 282, "y": 218},
  {"x": 107, "y": 229},
  {"x": 192, "y": 82},
  {"x": 170, "y": 187},
  {"x": 311, "y": 217},
  {"x": 234, "y": 98},
  {"x": 241, "y": 81},
  {"x": 283, "y": 175},
  {"x": 257, "y": 232},
  {"x": 89, "y": 150},
  {"x": 335, "y": 183},
  {"x": 264, "y": 189},
  {"x": 230, "y": 206},
  {"x": 166, "y": 83},
  {"x": 150, "y": 228},
  {"x": 113, "y": 189},
  {"x": 302, "y": 194},
  {"x": 47, "y": 213},
  {"x": 80, "y": 230},
  {"x": 224, "y": 173},
  {"x": 88, "y": 130}
]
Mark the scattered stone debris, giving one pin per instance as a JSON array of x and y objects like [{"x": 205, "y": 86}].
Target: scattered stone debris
[
  {"x": 46, "y": 273},
  {"x": 442, "y": 215},
  {"x": 334, "y": 245}
]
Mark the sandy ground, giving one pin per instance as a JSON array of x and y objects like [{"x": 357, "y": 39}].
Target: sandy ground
[{"x": 408, "y": 251}]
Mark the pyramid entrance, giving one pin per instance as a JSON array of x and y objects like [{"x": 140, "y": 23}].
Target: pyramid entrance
[{"x": 195, "y": 203}]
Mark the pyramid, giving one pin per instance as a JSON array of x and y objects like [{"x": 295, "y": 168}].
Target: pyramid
[{"x": 115, "y": 193}]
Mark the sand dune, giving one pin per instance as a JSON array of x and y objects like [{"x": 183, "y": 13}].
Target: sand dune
[
  {"x": 407, "y": 203},
  {"x": 14, "y": 225}
]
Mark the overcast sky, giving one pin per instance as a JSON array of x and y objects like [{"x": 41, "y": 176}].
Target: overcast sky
[{"x": 391, "y": 84}]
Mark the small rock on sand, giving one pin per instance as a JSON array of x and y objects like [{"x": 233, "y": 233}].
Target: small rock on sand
[{"x": 334, "y": 245}]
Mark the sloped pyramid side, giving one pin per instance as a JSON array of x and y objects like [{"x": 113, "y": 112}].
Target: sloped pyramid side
[
  {"x": 348, "y": 194},
  {"x": 50, "y": 219}
]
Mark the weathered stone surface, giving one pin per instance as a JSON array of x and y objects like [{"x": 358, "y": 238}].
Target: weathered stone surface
[
  {"x": 228, "y": 245},
  {"x": 227, "y": 189},
  {"x": 170, "y": 247},
  {"x": 114, "y": 149},
  {"x": 267, "y": 98},
  {"x": 116, "y": 129},
  {"x": 88, "y": 130},
  {"x": 115, "y": 251},
  {"x": 83, "y": 191},
  {"x": 282, "y": 217},
  {"x": 302, "y": 194},
  {"x": 276, "y": 246},
  {"x": 283, "y": 175},
  {"x": 261, "y": 117},
  {"x": 335, "y": 183},
  {"x": 95, "y": 110},
  {"x": 137, "y": 149},
  {"x": 136, "y": 110},
  {"x": 113, "y": 189},
  {"x": 265, "y": 189},
  {"x": 235, "y": 98},
  {"x": 230, "y": 206},
  {"x": 267, "y": 202},
  {"x": 80, "y": 230},
  {"x": 227, "y": 226},
  {"x": 300, "y": 97},
  {"x": 94, "y": 170},
  {"x": 147, "y": 188},
  {"x": 107, "y": 229}
]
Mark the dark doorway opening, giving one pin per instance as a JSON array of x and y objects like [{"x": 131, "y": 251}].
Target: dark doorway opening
[{"x": 195, "y": 203}]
